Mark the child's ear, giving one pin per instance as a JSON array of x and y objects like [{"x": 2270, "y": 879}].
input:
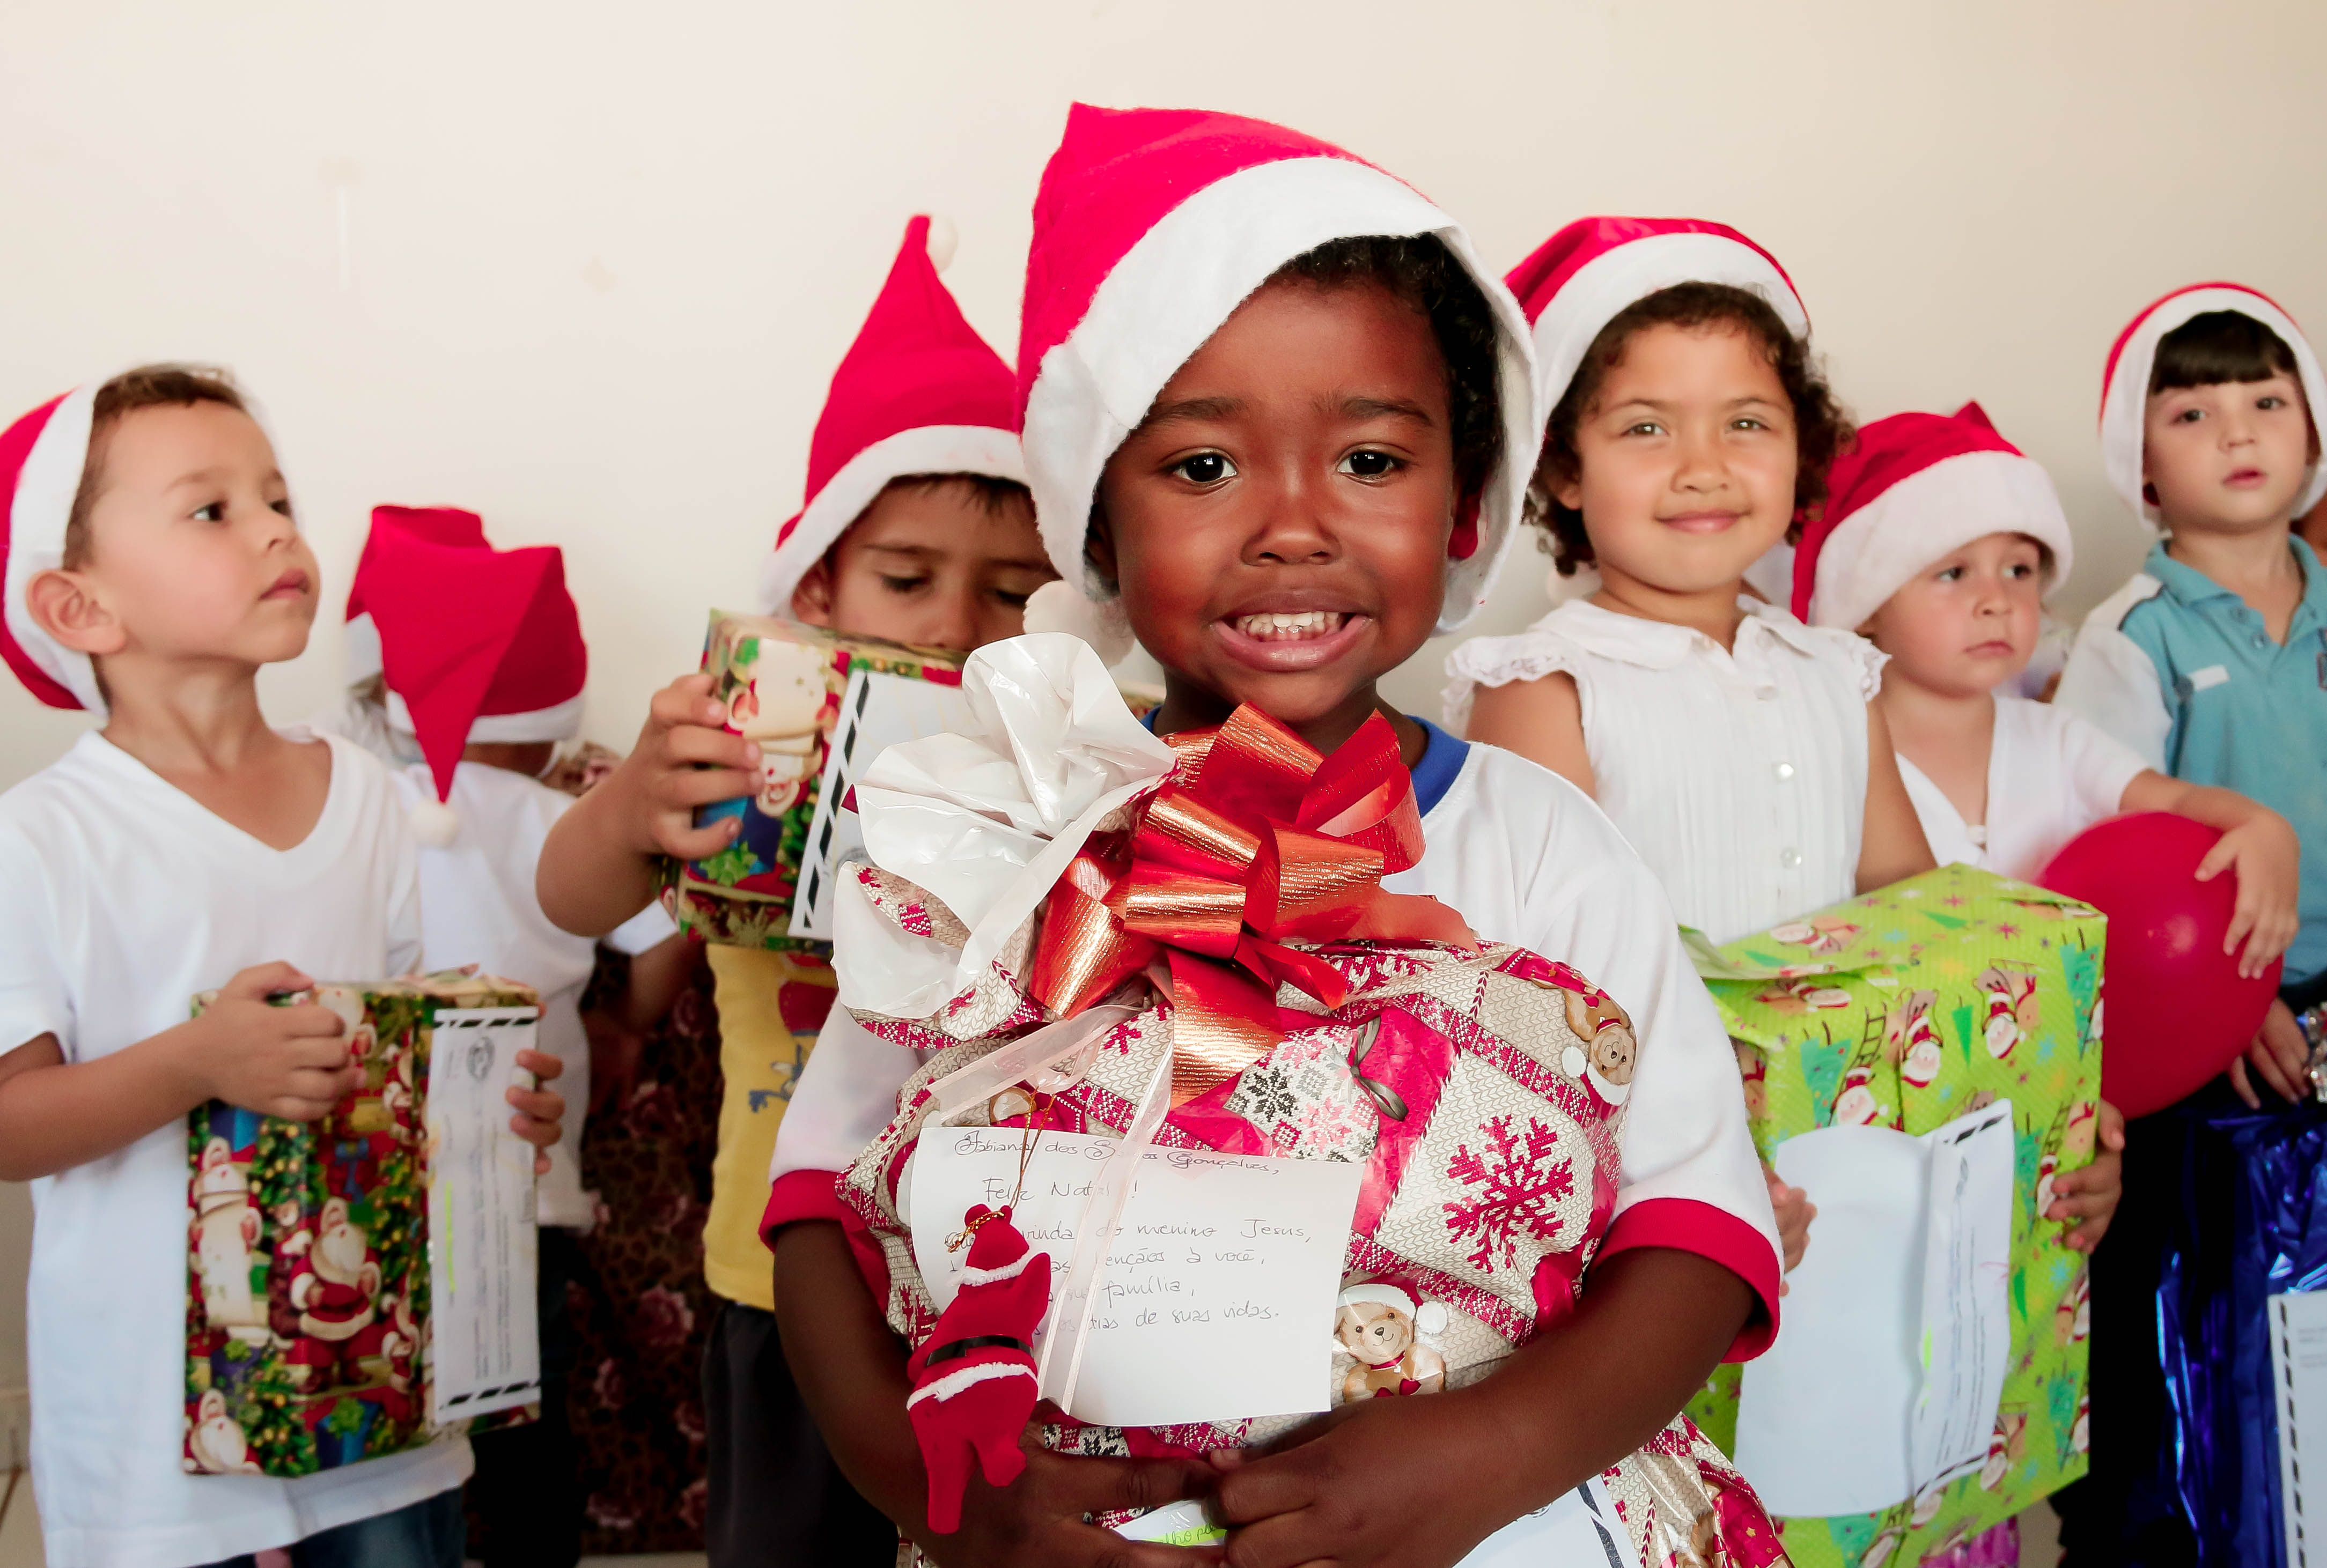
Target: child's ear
[
  {"x": 1098, "y": 546},
  {"x": 1463, "y": 542},
  {"x": 812, "y": 595},
  {"x": 70, "y": 607},
  {"x": 1567, "y": 490}
]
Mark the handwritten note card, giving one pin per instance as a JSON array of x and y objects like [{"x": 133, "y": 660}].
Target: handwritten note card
[
  {"x": 482, "y": 1242},
  {"x": 1216, "y": 1297}
]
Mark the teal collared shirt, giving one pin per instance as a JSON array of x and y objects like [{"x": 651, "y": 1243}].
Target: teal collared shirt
[{"x": 2181, "y": 670}]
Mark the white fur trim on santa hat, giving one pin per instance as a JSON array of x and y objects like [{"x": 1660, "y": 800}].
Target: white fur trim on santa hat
[
  {"x": 2124, "y": 401},
  {"x": 1927, "y": 515},
  {"x": 1429, "y": 1317},
  {"x": 1596, "y": 293},
  {"x": 934, "y": 449},
  {"x": 45, "y": 488},
  {"x": 968, "y": 1377},
  {"x": 1173, "y": 290},
  {"x": 1100, "y": 622},
  {"x": 561, "y": 722}
]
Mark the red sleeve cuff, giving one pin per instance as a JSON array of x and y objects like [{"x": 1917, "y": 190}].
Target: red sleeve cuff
[
  {"x": 800, "y": 1195},
  {"x": 1688, "y": 1225}
]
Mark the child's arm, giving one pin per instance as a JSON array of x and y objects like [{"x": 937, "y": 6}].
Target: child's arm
[
  {"x": 2256, "y": 842},
  {"x": 1891, "y": 848},
  {"x": 1352, "y": 1488},
  {"x": 851, "y": 1373},
  {"x": 598, "y": 866},
  {"x": 281, "y": 1062},
  {"x": 1543, "y": 721}
]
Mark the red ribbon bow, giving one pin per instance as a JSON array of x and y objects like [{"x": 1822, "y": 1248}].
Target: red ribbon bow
[{"x": 1254, "y": 841}]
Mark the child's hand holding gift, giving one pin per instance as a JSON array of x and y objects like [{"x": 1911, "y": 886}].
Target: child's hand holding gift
[{"x": 280, "y": 1062}]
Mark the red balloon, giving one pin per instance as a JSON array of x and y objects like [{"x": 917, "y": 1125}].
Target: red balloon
[{"x": 2177, "y": 1011}]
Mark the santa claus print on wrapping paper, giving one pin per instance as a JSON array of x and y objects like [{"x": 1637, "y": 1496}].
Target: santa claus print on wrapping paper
[
  {"x": 781, "y": 706},
  {"x": 1823, "y": 935},
  {"x": 1382, "y": 1325},
  {"x": 2012, "y": 1006},
  {"x": 1912, "y": 1040},
  {"x": 226, "y": 1239},
  {"x": 335, "y": 1290}
]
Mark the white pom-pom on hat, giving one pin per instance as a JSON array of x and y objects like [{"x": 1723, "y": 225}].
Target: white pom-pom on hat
[
  {"x": 435, "y": 823},
  {"x": 1101, "y": 622}
]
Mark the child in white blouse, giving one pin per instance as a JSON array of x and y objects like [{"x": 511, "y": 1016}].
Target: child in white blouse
[{"x": 1739, "y": 749}]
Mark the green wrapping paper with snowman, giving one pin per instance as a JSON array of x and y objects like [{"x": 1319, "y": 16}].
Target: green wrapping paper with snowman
[{"x": 1954, "y": 1011}]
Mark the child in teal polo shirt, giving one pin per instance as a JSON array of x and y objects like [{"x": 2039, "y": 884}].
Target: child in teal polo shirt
[{"x": 2211, "y": 663}]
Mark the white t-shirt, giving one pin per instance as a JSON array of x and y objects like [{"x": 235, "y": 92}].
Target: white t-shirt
[
  {"x": 2051, "y": 775},
  {"x": 1740, "y": 776},
  {"x": 120, "y": 897},
  {"x": 1527, "y": 859},
  {"x": 478, "y": 906}
]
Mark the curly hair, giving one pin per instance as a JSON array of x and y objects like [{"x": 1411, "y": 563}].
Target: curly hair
[
  {"x": 1419, "y": 270},
  {"x": 1822, "y": 430}
]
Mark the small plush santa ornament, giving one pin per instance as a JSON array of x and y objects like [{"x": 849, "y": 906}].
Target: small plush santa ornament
[
  {"x": 1151, "y": 226},
  {"x": 1914, "y": 490},
  {"x": 42, "y": 456},
  {"x": 974, "y": 1378},
  {"x": 1592, "y": 271},
  {"x": 2124, "y": 383},
  {"x": 474, "y": 643},
  {"x": 919, "y": 392}
]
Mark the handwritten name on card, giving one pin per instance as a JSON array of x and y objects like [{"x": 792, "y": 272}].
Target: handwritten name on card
[{"x": 1215, "y": 1299}]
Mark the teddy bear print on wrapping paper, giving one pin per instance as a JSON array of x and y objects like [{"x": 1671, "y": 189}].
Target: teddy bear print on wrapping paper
[{"x": 1481, "y": 1090}]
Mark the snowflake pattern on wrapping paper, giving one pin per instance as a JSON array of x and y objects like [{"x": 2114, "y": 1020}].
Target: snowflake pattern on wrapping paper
[
  {"x": 1340, "y": 1126},
  {"x": 1369, "y": 967},
  {"x": 1521, "y": 1189}
]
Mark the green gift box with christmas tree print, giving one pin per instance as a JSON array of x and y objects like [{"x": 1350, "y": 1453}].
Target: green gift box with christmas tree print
[
  {"x": 308, "y": 1342},
  {"x": 1909, "y": 1008}
]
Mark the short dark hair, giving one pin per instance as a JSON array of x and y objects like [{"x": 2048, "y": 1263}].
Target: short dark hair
[
  {"x": 1822, "y": 430},
  {"x": 1421, "y": 271},
  {"x": 146, "y": 387},
  {"x": 991, "y": 495},
  {"x": 2219, "y": 346}
]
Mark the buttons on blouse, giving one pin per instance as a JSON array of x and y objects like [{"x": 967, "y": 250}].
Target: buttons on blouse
[
  {"x": 1792, "y": 859},
  {"x": 1784, "y": 771}
]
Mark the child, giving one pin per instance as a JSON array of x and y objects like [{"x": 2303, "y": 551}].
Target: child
[
  {"x": 478, "y": 660},
  {"x": 918, "y": 529},
  {"x": 153, "y": 566},
  {"x": 2208, "y": 665},
  {"x": 1738, "y": 750},
  {"x": 1940, "y": 542},
  {"x": 1277, "y": 421}
]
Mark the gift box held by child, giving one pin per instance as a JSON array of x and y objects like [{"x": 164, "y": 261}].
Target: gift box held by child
[
  {"x": 1336, "y": 415},
  {"x": 154, "y": 565},
  {"x": 2206, "y": 665},
  {"x": 916, "y": 529}
]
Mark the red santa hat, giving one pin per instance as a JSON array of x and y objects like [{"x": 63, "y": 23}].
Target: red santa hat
[
  {"x": 2124, "y": 383},
  {"x": 1915, "y": 488},
  {"x": 445, "y": 526},
  {"x": 1151, "y": 226},
  {"x": 476, "y": 644},
  {"x": 42, "y": 456},
  {"x": 1586, "y": 275},
  {"x": 918, "y": 392}
]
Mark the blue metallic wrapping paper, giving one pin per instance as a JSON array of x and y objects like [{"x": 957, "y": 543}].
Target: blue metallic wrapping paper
[{"x": 2252, "y": 1223}]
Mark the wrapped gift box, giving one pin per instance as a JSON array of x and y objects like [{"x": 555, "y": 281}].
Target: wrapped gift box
[
  {"x": 308, "y": 1304},
  {"x": 1907, "y": 1008},
  {"x": 819, "y": 705}
]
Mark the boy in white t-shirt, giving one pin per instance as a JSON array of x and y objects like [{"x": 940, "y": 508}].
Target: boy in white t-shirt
[
  {"x": 153, "y": 566},
  {"x": 467, "y": 665}
]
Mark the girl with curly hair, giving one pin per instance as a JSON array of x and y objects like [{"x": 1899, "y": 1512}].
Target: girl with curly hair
[{"x": 1691, "y": 432}]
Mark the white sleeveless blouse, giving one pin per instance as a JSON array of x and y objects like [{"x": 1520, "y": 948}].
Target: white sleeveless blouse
[{"x": 1739, "y": 776}]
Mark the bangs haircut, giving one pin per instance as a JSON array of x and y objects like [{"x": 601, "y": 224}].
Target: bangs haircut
[
  {"x": 1822, "y": 430},
  {"x": 994, "y": 497},
  {"x": 146, "y": 387},
  {"x": 2219, "y": 346}
]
